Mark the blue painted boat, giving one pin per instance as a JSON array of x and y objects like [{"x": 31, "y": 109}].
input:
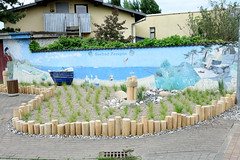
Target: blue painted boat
[{"x": 64, "y": 76}]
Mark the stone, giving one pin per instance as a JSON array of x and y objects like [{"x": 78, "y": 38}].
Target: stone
[
  {"x": 121, "y": 95},
  {"x": 130, "y": 103},
  {"x": 165, "y": 94}
]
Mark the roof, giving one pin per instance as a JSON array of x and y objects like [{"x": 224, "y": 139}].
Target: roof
[{"x": 137, "y": 15}]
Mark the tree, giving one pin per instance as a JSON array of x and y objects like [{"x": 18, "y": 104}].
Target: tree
[
  {"x": 111, "y": 30},
  {"x": 145, "y": 6},
  {"x": 190, "y": 55},
  {"x": 149, "y": 7},
  {"x": 10, "y": 16},
  {"x": 219, "y": 23},
  {"x": 134, "y": 5},
  {"x": 116, "y": 2}
]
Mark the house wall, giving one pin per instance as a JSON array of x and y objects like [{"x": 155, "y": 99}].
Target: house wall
[
  {"x": 34, "y": 20},
  {"x": 166, "y": 68},
  {"x": 165, "y": 25}
]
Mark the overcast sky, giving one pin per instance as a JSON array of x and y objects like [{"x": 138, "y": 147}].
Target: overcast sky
[{"x": 172, "y": 6}]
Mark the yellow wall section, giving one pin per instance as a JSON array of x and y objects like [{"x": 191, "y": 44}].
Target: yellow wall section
[
  {"x": 34, "y": 16},
  {"x": 165, "y": 25}
]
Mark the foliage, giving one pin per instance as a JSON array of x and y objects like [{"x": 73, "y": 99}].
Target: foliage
[
  {"x": 133, "y": 5},
  {"x": 145, "y": 6},
  {"x": 9, "y": 15},
  {"x": 112, "y": 29},
  {"x": 34, "y": 46},
  {"x": 149, "y": 7},
  {"x": 123, "y": 87},
  {"x": 221, "y": 86},
  {"x": 116, "y": 2},
  {"x": 115, "y": 88},
  {"x": 65, "y": 43},
  {"x": 150, "y": 111},
  {"x": 140, "y": 95},
  {"x": 219, "y": 23}
]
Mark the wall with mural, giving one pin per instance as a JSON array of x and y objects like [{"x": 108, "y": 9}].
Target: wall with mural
[{"x": 166, "y": 68}]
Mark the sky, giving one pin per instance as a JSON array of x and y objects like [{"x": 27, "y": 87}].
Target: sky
[{"x": 170, "y": 6}]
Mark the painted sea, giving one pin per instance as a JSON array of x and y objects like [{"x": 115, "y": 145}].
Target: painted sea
[{"x": 103, "y": 73}]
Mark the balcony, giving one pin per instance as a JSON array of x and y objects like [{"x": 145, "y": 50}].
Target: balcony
[{"x": 67, "y": 22}]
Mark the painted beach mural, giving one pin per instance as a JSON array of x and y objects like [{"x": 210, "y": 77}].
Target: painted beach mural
[{"x": 167, "y": 68}]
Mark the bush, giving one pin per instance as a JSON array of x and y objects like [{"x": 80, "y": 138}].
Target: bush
[{"x": 65, "y": 43}]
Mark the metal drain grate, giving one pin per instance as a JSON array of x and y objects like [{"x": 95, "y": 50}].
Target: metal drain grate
[{"x": 114, "y": 154}]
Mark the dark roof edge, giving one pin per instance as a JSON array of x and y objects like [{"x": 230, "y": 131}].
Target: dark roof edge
[
  {"x": 104, "y": 4},
  {"x": 90, "y": 49}
]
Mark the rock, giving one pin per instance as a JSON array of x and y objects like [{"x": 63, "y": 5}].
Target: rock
[
  {"x": 165, "y": 94},
  {"x": 130, "y": 103},
  {"x": 121, "y": 95}
]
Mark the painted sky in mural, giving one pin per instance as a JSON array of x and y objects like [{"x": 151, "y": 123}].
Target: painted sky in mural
[{"x": 169, "y": 67}]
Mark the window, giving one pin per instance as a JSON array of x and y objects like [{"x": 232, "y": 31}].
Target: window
[
  {"x": 81, "y": 8},
  {"x": 152, "y": 32},
  {"x": 62, "y": 7}
]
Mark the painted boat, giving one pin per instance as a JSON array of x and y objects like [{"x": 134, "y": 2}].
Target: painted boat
[{"x": 63, "y": 76}]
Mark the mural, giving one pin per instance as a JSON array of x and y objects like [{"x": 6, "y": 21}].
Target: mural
[{"x": 166, "y": 68}]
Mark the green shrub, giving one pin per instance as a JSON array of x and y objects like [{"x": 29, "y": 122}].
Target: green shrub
[
  {"x": 90, "y": 43},
  {"x": 123, "y": 87}
]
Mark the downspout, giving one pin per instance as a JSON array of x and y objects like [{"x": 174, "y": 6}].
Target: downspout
[{"x": 136, "y": 23}]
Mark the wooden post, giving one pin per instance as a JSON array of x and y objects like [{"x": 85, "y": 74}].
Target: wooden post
[
  {"x": 150, "y": 126},
  {"x": 202, "y": 113},
  {"x": 139, "y": 129},
  {"x": 174, "y": 119},
  {"x": 117, "y": 125},
  {"x": 192, "y": 120},
  {"x": 36, "y": 128},
  {"x": 25, "y": 127},
  {"x": 85, "y": 128},
  {"x": 98, "y": 127},
  {"x": 129, "y": 89},
  {"x": 14, "y": 119},
  {"x": 196, "y": 118},
  {"x": 104, "y": 129},
  {"x": 145, "y": 125},
  {"x": 163, "y": 125},
  {"x": 125, "y": 127},
  {"x": 133, "y": 128},
  {"x": 92, "y": 128},
  {"x": 60, "y": 129},
  {"x": 67, "y": 129},
  {"x": 42, "y": 129},
  {"x": 222, "y": 106},
  {"x": 48, "y": 129},
  {"x": 188, "y": 120},
  {"x": 184, "y": 120},
  {"x": 169, "y": 122},
  {"x": 179, "y": 120},
  {"x": 206, "y": 112},
  {"x": 54, "y": 126},
  {"x": 18, "y": 125},
  {"x": 30, "y": 127},
  {"x": 233, "y": 96},
  {"x": 78, "y": 128},
  {"x": 134, "y": 89},
  {"x": 72, "y": 129},
  {"x": 156, "y": 126},
  {"x": 111, "y": 127},
  {"x": 16, "y": 112},
  {"x": 214, "y": 103},
  {"x": 219, "y": 108}
]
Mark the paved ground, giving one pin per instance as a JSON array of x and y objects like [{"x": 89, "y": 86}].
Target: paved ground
[{"x": 219, "y": 140}]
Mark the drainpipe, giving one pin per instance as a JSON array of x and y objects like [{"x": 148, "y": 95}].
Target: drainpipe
[{"x": 136, "y": 23}]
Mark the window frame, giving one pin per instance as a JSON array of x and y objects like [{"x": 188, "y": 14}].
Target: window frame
[
  {"x": 75, "y": 7},
  {"x": 154, "y": 33}
]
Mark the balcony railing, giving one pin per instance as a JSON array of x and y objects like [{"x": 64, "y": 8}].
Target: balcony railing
[{"x": 60, "y": 22}]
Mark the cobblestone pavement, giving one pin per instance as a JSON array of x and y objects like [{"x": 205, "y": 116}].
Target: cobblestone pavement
[{"x": 211, "y": 141}]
